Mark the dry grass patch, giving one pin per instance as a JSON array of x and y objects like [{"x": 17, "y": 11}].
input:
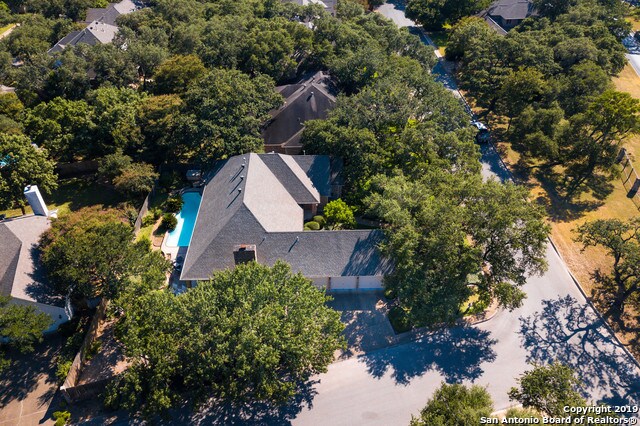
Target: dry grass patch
[
  {"x": 635, "y": 23},
  {"x": 628, "y": 81}
]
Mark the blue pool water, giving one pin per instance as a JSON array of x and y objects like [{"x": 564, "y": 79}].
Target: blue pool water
[{"x": 181, "y": 236}]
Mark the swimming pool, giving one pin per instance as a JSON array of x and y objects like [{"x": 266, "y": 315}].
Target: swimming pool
[{"x": 181, "y": 236}]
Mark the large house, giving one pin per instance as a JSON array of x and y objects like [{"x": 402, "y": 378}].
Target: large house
[
  {"x": 101, "y": 26},
  {"x": 309, "y": 99},
  {"x": 503, "y": 15},
  {"x": 20, "y": 274},
  {"x": 254, "y": 206}
]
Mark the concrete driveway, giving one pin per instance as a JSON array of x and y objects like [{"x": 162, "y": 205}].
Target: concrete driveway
[
  {"x": 367, "y": 327},
  {"x": 28, "y": 388}
]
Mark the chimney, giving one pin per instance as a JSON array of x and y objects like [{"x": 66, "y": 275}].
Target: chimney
[
  {"x": 244, "y": 253},
  {"x": 35, "y": 200}
]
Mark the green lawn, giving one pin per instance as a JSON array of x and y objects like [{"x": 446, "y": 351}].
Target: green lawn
[
  {"x": 6, "y": 28},
  {"x": 75, "y": 193}
]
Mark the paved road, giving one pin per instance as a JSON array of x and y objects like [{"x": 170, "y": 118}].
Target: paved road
[
  {"x": 385, "y": 387},
  {"x": 633, "y": 47}
]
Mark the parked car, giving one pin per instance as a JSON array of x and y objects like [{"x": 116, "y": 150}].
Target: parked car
[{"x": 483, "y": 135}]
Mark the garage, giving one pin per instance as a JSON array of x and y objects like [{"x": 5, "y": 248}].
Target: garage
[
  {"x": 370, "y": 283},
  {"x": 349, "y": 283},
  {"x": 343, "y": 283}
]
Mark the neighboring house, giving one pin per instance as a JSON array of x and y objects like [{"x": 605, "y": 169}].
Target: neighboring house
[
  {"x": 253, "y": 208},
  {"x": 329, "y": 5},
  {"x": 310, "y": 99},
  {"x": 20, "y": 274},
  {"x": 95, "y": 33},
  {"x": 101, "y": 26},
  {"x": 111, "y": 13},
  {"x": 503, "y": 15}
]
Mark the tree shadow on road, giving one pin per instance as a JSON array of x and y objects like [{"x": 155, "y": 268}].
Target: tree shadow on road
[
  {"x": 251, "y": 412},
  {"x": 455, "y": 353},
  {"x": 571, "y": 333},
  {"x": 21, "y": 378}
]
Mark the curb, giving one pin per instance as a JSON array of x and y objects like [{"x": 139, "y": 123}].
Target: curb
[{"x": 591, "y": 305}]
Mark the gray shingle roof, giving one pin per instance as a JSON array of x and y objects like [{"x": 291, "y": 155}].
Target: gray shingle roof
[
  {"x": 292, "y": 177},
  {"x": 9, "y": 253},
  {"x": 329, "y": 5},
  {"x": 101, "y": 26},
  {"x": 95, "y": 33},
  {"x": 511, "y": 9},
  {"x": 250, "y": 205},
  {"x": 309, "y": 99},
  {"x": 29, "y": 282},
  {"x": 318, "y": 168}
]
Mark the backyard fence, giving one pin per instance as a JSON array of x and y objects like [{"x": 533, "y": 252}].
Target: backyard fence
[
  {"x": 70, "y": 389},
  {"x": 144, "y": 210},
  {"x": 629, "y": 177},
  {"x": 79, "y": 168}
]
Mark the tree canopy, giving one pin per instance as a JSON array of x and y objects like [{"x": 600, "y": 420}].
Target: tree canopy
[
  {"x": 21, "y": 326},
  {"x": 90, "y": 253},
  {"x": 251, "y": 333},
  {"x": 455, "y": 405},
  {"x": 550, "y": 76},
  {"x": 444, "y": 228},
  {"x": 434, "y": 14},
  {"x": 22, "y": 164},
  {"x": 548, "y": 389},
  {"x": 617, "y": 291}
]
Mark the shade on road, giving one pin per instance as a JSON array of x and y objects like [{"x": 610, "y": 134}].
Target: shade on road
[{"x": 555, "y": 323}]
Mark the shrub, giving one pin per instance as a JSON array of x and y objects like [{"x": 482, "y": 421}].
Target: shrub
[
  {"x": 169, "y": 222},
  {"x": 173, "y": 204},
  {"x": 156, "y": 212},
  {"x": 62, "y": 370},
  {"x": 339, "y": 215},
  {"x": 61, "y": 417},
  {"x": 130, "y": 213},
  {"x": 399, "y": 320},
  {"x": 312, "y": 226},
  {"x": 148, "y": 219},
  {"x": 320, "y": 219},
  {"x": 144, "y": 241}
]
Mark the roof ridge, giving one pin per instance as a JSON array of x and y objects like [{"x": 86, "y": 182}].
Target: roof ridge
[{"x": 300, "y": 175}]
